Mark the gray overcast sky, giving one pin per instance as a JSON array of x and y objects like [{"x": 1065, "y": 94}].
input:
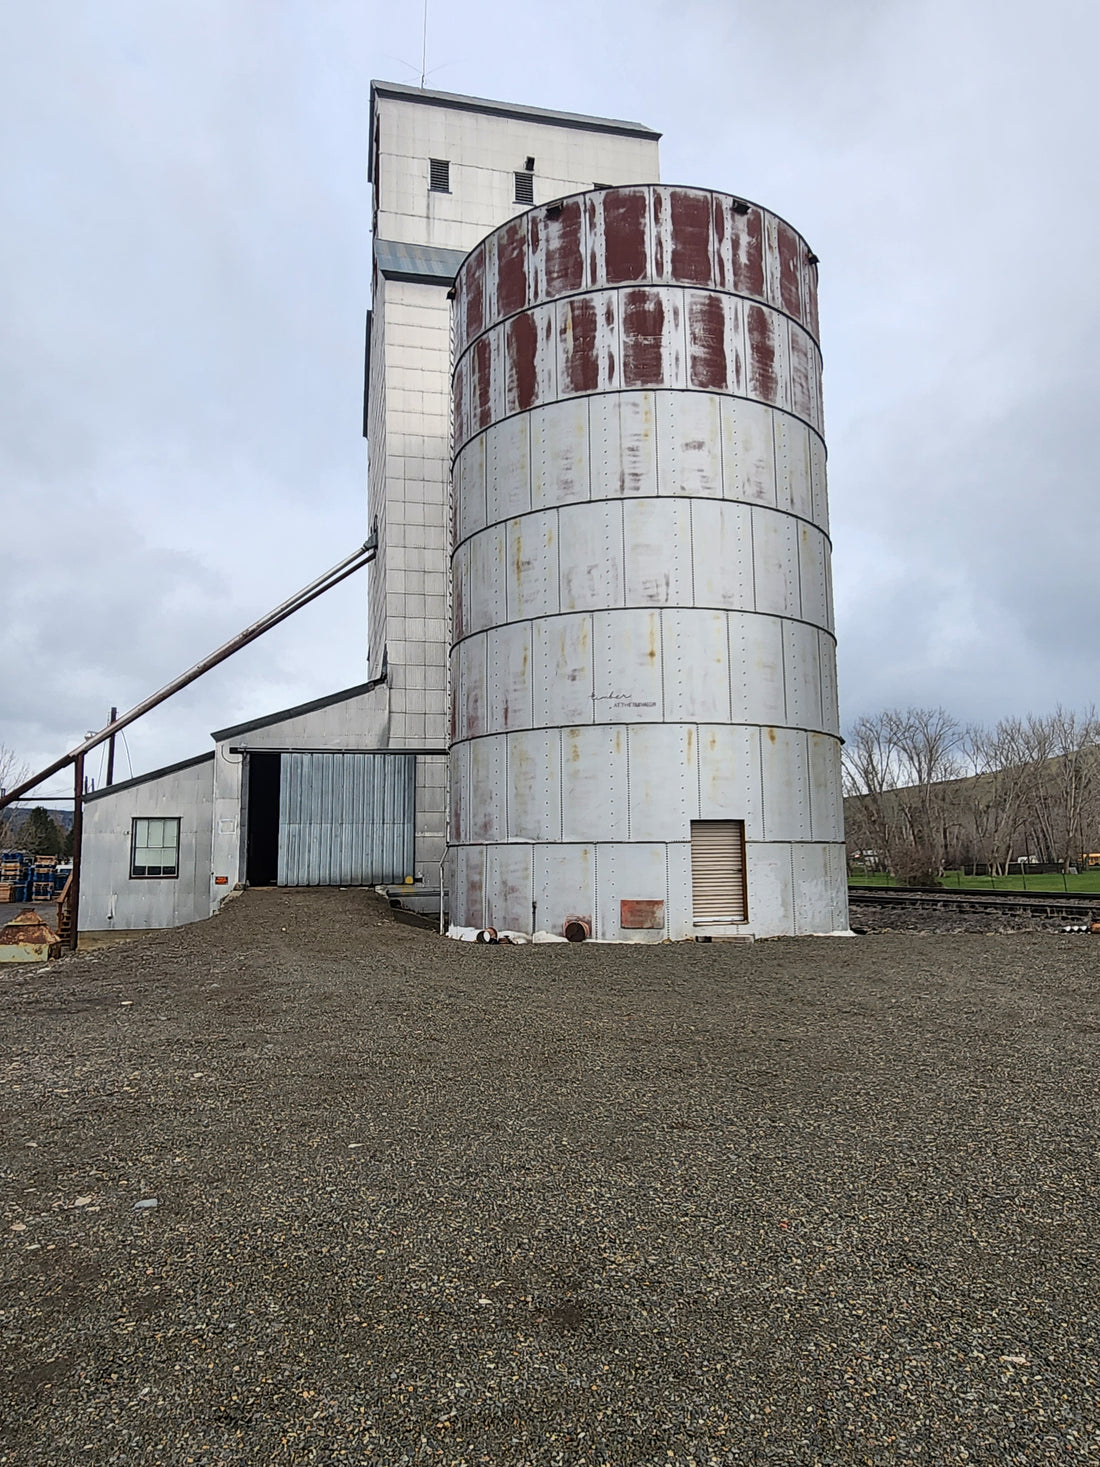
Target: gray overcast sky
[{"x": 184, "y": 276}]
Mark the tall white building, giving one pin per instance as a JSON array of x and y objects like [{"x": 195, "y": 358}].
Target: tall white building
[{"x": 446, "y": 171}]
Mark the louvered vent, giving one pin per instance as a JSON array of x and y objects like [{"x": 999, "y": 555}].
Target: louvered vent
[
  {"x": 440, "y": 170},
  {"x": 525, "y": 187},
  {"x": 718, "y": 871}
]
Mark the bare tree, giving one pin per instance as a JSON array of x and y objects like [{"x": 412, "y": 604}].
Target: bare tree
[
  {"x": 1065, "y": 791},
  {"x": 12, "y": 772},
  {"x": 1004, "y": 776},
  {"x": 897, "y": 769}
]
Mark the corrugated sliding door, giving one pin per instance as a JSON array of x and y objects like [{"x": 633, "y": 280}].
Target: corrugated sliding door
[
  {"x": 718, "y": 871},
  {"x": 346, "y": 819}
]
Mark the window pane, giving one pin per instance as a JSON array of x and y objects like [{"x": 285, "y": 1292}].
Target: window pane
[{"x": 155, "y": 846}]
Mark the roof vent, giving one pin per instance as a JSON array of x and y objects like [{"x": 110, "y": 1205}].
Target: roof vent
[
  {"x": 525, "y": 188},
  {"x": 440, "y": 176}
]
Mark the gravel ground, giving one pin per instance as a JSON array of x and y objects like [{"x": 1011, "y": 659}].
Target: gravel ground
[{"x": 818, "y": 1201}]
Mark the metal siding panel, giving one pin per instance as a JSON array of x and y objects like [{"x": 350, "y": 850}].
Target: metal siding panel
[
  {"x": 471, "y": 694},
  {"x": 563, "y": 670},
  {"x": 802, "y": 675},
  {"x": 534, "y": 785},
  {"x": 830, "y": 708},
  {"x": 826, "y": 802},
  {"x": 475, "y": 886},
  {"x": 594, "y": 784},
  {"x": 664, "y": 781},
  {"x": 469, "y": 488},
  {"x": 771, "y": 889},
  {"x": 483, "y": 594},
  {"x": 729, "y": 776},
  {"x": 459, "y": 793},
  {"x": 507, "y": 469},
  {"x": 785, "y": 784},
  {"x": 623, "y": 444},
  {"x": 775, "y": 563},
  {"x": 576, "y": 334},
  {"x": 813, "y": 554},
  {"x": 678, "y": 911},
  {"x": 836, "y": 861},
  {"x": 818, "y": 483},
  {"x": 813, "y": 890},
  {"x": 802, "y": 374},
  {"x": 689, "y": 444},
  {"x": 626, "y": 656},
  {"x": 721, "y": 545},
  {"x": 794, "y": 491},
  {"x": 488, "y": 789},
  {"x": 508, "y": 886},
  {"x": 565, "y": 885},
  {"x": 531, "y": 567},
  {"x": 748, "y": 452},
  {"x": 590, "y": 552},
  {"x": 657, "y": 536},
  {"x": 559, "y": 454},
  {"x": 633, "y": 872},
  {"x": 508, "y": 677},
  {"x": 696, "y": 666}
]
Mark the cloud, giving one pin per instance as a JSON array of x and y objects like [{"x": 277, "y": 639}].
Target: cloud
[{"x": 184, "y": 273}]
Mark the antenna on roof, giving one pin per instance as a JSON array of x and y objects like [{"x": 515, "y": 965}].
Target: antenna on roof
[{"x": 424, "y": 49}]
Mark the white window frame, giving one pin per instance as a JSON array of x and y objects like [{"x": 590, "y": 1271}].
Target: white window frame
[{"x": 141, "y": 825}]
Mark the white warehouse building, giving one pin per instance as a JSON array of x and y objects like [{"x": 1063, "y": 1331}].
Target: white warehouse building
[{"x": 601, "y": 672}]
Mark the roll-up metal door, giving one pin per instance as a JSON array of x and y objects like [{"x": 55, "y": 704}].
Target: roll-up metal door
[
  {"x": 718, "y": 871},
  {"x": 346, "y": 819}
]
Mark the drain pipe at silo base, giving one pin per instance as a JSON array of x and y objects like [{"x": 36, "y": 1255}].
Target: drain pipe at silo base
[{"x": 339, "y": 572}]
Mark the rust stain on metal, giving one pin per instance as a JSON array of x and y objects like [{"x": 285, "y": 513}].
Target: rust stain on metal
[
  {"x": 790, "y": 293},
  {"x": 461, "y": 431},
  {"x": 522, "y": 347},
  {"x": 747, "y": 238},
  {"x": 658, "y": 242},
  {"x": 564, "y": 251},
  {"x": 763, "y": 376},
  {"x": 719, "y": 226},
  {"x": 582, "y": 369},
  {"x": 474, "y": 278},
  {"x": 483, "y": 381},
  {"x": 641, "y": 914},
  {"x": 809, "y": 315},
  {"x": 801, "y": 386},
  {"x": 624, "y": 213},
  {"x": 512, "y": 268},
  {"x": 691, "y": 237},
  {"x": 456, "y": 606},
  {"x": 643, "y": 333},
  {"x": 707, "y": 342}
]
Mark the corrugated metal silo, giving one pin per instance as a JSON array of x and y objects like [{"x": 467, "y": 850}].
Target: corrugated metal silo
[{"x": 644, "y": 711}]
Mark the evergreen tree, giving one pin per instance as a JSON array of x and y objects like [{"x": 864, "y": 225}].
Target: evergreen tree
[{"x": 41, "y": 835}]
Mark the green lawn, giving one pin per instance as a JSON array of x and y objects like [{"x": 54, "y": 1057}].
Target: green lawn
[{"x": 1086, "y": 881}]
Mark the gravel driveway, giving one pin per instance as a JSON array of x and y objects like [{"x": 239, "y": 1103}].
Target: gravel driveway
[{"x": 817, "y": 1201}]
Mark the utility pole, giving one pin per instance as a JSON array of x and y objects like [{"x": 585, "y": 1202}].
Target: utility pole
[{"x": 111, "y": 749}]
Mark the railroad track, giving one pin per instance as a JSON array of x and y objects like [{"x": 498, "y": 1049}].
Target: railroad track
[{"x": 1083, "y": 908}]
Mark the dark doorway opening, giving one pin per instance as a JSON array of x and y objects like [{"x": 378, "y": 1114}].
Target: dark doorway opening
[{"x": 262, "y": 865}]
